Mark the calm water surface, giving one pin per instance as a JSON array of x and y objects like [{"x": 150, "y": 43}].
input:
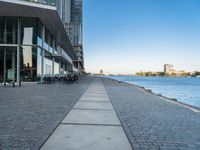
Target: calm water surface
[{"x": 184, "y": 89}]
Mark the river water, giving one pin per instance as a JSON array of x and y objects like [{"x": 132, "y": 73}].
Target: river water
[{"x": 184, "y": 89}]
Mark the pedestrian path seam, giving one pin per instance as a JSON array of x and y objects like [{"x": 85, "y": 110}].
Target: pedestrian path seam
[{"x": 91, "y": 124}]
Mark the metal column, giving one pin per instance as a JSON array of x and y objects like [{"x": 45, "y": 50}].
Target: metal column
[
  {"x": 18, "y": 51},
  {"x": 59, "y": 69},
  {"x": 4, "y": 66},
  {"x": 42, "y": 53},
  {"x": 4, "y": 59},
  {"x": 13, "y": 60},
  {"x": 53, "y": 59}
]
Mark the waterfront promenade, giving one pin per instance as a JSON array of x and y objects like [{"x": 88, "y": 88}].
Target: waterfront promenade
[
  {"x": 28, "y": 115},
  {"x": 92, "y": 124},
  {"x": 32, "y": 115},
  {"x": 152, "y": 122}
]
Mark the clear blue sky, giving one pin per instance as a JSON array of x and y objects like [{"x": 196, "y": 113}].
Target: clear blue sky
[{"x": 126, "y": 36}]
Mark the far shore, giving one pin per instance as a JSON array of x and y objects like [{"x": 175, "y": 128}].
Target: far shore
[{"x": 156, "y": 76}]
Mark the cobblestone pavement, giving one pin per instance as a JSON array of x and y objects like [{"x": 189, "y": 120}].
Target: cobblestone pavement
[
  {"x": 151, "y": 122},
  {"x": 28, "y": 115},
  {"x": 89, "y": 126}
]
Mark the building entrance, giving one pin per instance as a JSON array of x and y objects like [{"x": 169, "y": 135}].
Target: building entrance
[{"x": 8, "y": 64}]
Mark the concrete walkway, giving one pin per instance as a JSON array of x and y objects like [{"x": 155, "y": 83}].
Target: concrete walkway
[{"x": 92, "y": 124}]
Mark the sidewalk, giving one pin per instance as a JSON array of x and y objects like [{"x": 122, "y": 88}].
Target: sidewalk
[
  {"x": 152, "y": 122},
  {"x": 29, "y": 114},
  {"x": 92, "y": 124}
]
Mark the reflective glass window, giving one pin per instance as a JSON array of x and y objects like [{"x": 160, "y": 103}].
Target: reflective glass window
[
  {"x": 2, "y": 27},
  {"x": 1, "y": 63},
  {"x": 39, "y": 62},
  {"x": 56, "y": 68},
  {"x": 28, "y": 63},
  {"x": 11, "y": 30},
  {"x": 51, "y": 44},
  {"x": 47, "y": 66},
  {"x": 39, "y": 36},
  {"x": 46, "y": 39},
  {"x": 11, "y": 61},
  {"x": 55, "y": 50},
  {"x": 28, "y": 31}
]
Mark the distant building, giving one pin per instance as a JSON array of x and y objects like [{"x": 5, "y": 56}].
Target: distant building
[
  {"x": 101, "y": 72},
  {"x": 168, "y": 68}
]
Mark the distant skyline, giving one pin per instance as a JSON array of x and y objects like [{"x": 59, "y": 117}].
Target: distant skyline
[{"x": 141, "y": 35}]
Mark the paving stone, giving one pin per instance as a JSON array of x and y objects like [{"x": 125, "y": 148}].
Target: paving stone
[
  {"x": 75, "y": 137},
  {"x": 92, "y": 117},
  {"x": 94, "y": 105},
  {"x": 94, "y": 99},
  {"x": 29, "y": 114},
  {"x": 90, "y": 125},
  {"x": 145, "y": 116}
]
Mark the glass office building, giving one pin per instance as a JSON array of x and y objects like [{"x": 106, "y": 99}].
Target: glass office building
[
  {"x": 31, "y": 45},
  {"x": 70, "y": 12}
]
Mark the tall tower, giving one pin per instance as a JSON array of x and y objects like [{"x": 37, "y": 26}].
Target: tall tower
[{"x": 70, "y": 12}]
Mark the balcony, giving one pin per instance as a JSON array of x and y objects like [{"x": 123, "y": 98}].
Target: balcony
[{"x": 63, "y": 56}]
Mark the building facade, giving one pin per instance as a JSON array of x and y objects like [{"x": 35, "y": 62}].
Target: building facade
[
  {"x": 168, "y": 68},
  {"x": 33, "y": 46},
  {"x": 70, "y": 12}
]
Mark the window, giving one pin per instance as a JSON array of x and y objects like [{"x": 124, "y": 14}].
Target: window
[
  {"x": 28, "y": 63},
  {"x": 11, "y": 30},
  {"x": 28, "y": 31},
  {"x": 2, "y": 27}
]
